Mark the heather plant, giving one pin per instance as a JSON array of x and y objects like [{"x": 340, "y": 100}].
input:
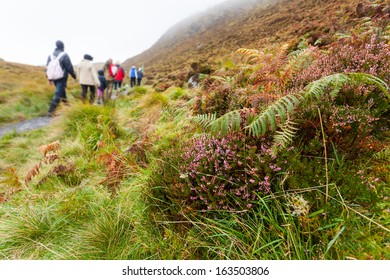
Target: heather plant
[
  {"x": 357, "y": 115},
  {"x": 350, "y": 129},
  {"x": 227, "y": 172},
  {"x": 356, "y": 54}
]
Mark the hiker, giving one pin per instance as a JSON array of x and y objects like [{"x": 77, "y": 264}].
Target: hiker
[
  {"x": 120, "y": 75},
  {"x": 109, "y": 70},
  {"x": 133, "y": 76},
  {"x": 88, "y": 78},
  {"x": 102, "y": 87},
  {"x": 61, "y": 80},
  {"x": 140, "y": 75}
]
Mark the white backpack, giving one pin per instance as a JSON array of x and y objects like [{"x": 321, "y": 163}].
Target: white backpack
[
  {"x": 54, "y": 70},
  {"x": 114, "y": 69}
]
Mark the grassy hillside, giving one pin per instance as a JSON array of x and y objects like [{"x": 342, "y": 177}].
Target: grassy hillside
[
  {"x": 24, "y": 92},
  {"x": 280, "y": 154},
  {"x": 195, "y": 44}
]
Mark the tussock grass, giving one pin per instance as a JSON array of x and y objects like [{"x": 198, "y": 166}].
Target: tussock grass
[{"x": 30, "y": 233}]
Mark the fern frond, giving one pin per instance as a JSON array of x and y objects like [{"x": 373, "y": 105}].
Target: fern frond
[
  {"x": 9, "y": 178},
  {"x": 336, "y": 81},
  {"x": 284, "y": 136},
  {"x": 230, "y": 120},
  {"x": 299, "y": 59},
  {"x": 251, "y": 56},
  {"x": 281, "y": 109},
  {"x": 383, "y": 155},
  {"x": 218, "y": 78},
  {"x": 205, "y": 119},
  {"x": 317, "y": 88},
  {"x": 371, "y": 80},
  {"x": 279, "y": 113}
]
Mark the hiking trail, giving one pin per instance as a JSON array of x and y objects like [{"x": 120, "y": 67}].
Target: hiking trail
[{"x": 25, "y": 125}]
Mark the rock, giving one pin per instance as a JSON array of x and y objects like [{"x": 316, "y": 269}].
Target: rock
[{"x": 193, "y": 82}]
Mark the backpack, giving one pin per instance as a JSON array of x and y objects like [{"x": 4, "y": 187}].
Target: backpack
[
  {"x": 114, "y": 70},
  {"x": 54, "y": 70}
]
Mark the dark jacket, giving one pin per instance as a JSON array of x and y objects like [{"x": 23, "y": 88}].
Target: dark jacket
[
  {"x": 102, "y": 79},
  {"x": 65, "y": 63},
  {"x": 140, "y": 74}
]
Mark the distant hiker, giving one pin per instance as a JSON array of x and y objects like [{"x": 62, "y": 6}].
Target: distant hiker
[
  {"x": 102, "y": 87},
  {"x": 140, "y": 75},
  {"x": 120, "y": 75},
  {"x": 133, "y": 76},
  {"x": 60, "y": 81},
  {"x": 109, "y": 70},
  {"x": 88, "y": 78}
]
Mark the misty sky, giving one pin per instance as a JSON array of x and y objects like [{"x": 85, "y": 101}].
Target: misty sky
[{"x": 117, "y": 29}]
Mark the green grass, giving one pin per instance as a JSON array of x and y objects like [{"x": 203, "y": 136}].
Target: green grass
[
  {"x": 27, "y": 97},
  {"x": 75, "y": 216}
]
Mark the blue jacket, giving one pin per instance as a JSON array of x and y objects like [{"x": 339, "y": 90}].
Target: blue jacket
[{"x": 133, "y": 72}]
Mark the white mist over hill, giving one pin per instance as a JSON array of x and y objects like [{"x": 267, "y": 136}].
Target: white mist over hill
[{"x": 117, "y": 30}]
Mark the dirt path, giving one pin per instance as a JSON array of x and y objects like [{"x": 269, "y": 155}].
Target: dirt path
[{"x": 25, "y": 125}]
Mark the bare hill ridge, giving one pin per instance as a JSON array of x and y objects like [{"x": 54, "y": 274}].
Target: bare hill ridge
[{"x": 259, "y": 24}]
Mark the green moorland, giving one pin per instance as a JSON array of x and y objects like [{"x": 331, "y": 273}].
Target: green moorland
[
  {"x": 281, "y": 155},
  {"x": 24, "y": 92}
]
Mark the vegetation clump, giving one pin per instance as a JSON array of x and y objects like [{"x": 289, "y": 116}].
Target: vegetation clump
[{"x": 279, "y": 154}]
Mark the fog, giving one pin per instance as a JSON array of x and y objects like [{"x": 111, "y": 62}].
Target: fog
[{"x": 118, "y": 29}]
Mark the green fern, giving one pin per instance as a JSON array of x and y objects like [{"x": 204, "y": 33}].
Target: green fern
[
  {"x": 301, "y": 57},
  {"x": 205, "y": 119},
  {"x": 268, "y": 120},
  {"x": 337, "y": 81},
  {"x": 370, "y": 80},
  {"x": 278, "y": 113},
  {"x": 284, "y": 136},
  {"x": 383, "y": 155},
  {"x": 230, "y": 121}
]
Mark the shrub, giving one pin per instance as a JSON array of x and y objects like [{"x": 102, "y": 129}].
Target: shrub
[
  {"x": 355, "y": 54},
  {"x": 161, "y": 87},
  {"x": 227, "y": 173}
]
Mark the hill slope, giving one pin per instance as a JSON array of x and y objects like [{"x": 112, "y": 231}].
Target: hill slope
[{"x": 234, "y": 24}]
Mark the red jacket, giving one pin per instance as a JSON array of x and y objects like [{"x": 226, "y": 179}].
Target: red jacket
[{"x": 120, "y": 74}]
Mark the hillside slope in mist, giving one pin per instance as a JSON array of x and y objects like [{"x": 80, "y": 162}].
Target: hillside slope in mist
[{"x": 259, "y": 24}]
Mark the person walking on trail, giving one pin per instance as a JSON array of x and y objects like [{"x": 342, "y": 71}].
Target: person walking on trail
[
  {"x": 58, "y": 68},
  {"x": 120, "y": 75},
  {"x": 133, "y": 76},
  {"x": 102, "y": 87},
  {"x": 88, "y": 78},
  {"x": 109, "y": 70},
  {"x": 140, "y": 75}
]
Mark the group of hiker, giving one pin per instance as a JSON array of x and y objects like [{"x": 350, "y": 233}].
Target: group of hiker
[{"x": 106, "y": 82}]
